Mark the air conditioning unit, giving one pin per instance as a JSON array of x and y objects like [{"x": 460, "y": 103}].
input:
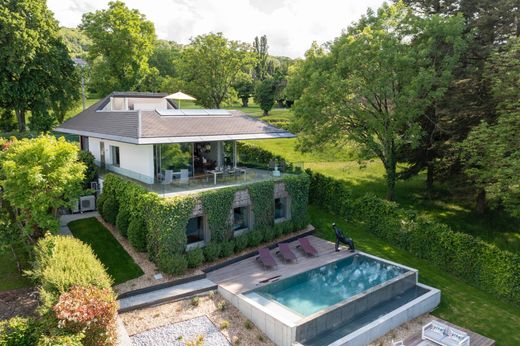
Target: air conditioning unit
[{"x": 87, "y": 203}]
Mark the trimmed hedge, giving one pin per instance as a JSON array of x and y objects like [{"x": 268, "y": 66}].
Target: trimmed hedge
[
  {"x": 62, "y": 262},
  {"x": 330, "y": 194},
  {"x": 137, "y": 233},
  {"x": 194, "y": 258},
  {"x": 123, "y": 221}
]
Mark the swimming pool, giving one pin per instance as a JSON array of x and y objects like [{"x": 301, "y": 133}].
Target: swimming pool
[{"x": 320, "y": 288}]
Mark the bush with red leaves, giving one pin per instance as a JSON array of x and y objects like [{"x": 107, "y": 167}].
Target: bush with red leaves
[{"x": 89, "y": 310}]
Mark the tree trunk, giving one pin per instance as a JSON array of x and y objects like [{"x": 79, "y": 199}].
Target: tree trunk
[
  {"x": 429, "y": 178},
  {"x": 481, "y": 202},
  {"x": 390, "y": 179},
  {"x": 20, "y": 116},
  {"x": 266, "y": 113},
  {"x": 245, "y": 102}
]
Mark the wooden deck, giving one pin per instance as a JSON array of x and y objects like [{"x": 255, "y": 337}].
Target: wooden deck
[
  {"x": 475, "y": 339},
  {"x": 247, "y": 274}
]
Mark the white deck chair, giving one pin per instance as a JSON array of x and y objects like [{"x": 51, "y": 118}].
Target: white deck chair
[
  {"x": 185, "y": 176},
  {"x": 168, "y": 177}
]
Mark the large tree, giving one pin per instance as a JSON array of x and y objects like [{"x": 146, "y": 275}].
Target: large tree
[
  {"x": 37, "y": 176},
  {"x": 261, "y": 49},
  {"x": 122, "y": 43},
  {"x": 491, "y": 152},
  {"x": 36, "y": 73},
  {"x": 210, "y": 66},
  {"x": 376, "y": 82},
  {"x": 488, "y": 24}
]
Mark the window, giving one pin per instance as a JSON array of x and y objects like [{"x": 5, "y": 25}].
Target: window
[
  {"x": 195, "y": 230},
  {"x": 280, "y": 208},
  {"x": 115, "y": 155},
  {"x": 240, "y": 218}
]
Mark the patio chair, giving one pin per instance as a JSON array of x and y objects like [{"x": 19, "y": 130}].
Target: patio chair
[
  {"x": 168, "y": 177},
  {"x": 397, "y": 343},
  {"x": 286, "y": 253},
  {"x": 307, "y": 247},
  {"x": 184, "y": 177},
  {"x": 265, "y": 257},
  {"x": 442, "y": 334}
]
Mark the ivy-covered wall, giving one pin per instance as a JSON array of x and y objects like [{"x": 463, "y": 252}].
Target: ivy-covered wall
[{"x": 158, "y": 225}]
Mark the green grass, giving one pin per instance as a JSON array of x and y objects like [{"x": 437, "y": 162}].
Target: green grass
[
  {"x": 118, "y": 262},
  {"x": 461, "y": 303},
  {"x": 10, "y": 277}
]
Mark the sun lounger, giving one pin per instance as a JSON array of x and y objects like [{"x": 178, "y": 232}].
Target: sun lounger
[
  {"x": 264, "y": 256},
  {"x": 307, "y": 247},
  {"x": 286, "y": 252}
]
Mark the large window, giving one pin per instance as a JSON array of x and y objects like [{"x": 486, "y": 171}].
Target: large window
[
  {"x": 195, "y": 230},
  {"x": 173, "y": 157},
  {"x": 240, "y": 218},
  {"x": 280, "y": 208},
  {"x": 115, "y": 155}
]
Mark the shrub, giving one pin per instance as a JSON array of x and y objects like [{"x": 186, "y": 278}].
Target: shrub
[
  {"x": 222, "y": 305},
  {"x": 224, "y": 324},
  {"x": 278, "y": 229},
  {"x": 269, "y": 234},
  {"x": 227, "y": 248},
  {"x": 195, "y": 301},
  {"x": 100, "y": 201},
  {"x": 254, "y": 238},
  {"x": 248, "y": 324},
  {"x": 174, "y": 264},
  {"x": 122, "y": 221},
  {"x": 241, "y": 242},
  {"x": 62, "y": 340},
  {"x": 195, "y": 258},
  {"x": 62, "y": 262},
  {"x": 331, "y": 194},
  {"x": 211, "y": 251},
  {"x": 89, "y": 310},
  {"x": 137, "y": 233},
  {"x": 110, "y": 210},
  {"x": 18, "y": 331}
]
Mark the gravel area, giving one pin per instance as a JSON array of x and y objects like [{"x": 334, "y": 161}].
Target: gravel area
[
  {"x": 19, "y": 302},
  {"x": 232, "y": 324},
  {"x": 198, "y": 330},
  {"x": 403, "y": 332}
]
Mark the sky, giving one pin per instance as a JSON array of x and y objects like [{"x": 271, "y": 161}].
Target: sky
[{"x": 290, "y": 25}]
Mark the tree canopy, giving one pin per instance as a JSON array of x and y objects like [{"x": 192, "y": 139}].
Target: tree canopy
[
  {"x": 36, "y": 73},
  {"x": 376, "y": 81},
  {"x": 211, "y": 64},
  {"x": 38, "y": 176},
  {"x": 122, "y": 44}
]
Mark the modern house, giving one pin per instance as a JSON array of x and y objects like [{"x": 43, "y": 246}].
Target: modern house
[{"x": 144, "y": 136}]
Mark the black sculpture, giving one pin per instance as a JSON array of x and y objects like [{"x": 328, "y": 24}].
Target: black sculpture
[{"x": 341, "y": 238}]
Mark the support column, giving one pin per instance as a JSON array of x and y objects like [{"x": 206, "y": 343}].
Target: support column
[{"x": 235, "y": 154}]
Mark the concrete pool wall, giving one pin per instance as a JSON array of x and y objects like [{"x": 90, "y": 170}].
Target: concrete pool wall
[{"x": 286, "y": 327}]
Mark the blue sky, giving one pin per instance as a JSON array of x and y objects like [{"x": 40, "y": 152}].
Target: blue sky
[{"x": 290, "y": 25}]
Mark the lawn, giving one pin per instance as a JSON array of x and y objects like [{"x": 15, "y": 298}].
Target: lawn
[
  {"x": 10, "y": 277},
  {"x": 368, "y": 177},
  {"x": 461, "y": 303},
  {"x": 118, "y": 262}
]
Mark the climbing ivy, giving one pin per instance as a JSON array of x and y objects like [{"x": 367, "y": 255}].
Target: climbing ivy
[
  {"x": 217, "y": 207},
  {"x": 297, "y": 186},
  {"x": 262, "y": 201}
]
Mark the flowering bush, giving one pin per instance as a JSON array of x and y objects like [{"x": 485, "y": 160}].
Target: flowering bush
[{"x": 89, "y": 310}]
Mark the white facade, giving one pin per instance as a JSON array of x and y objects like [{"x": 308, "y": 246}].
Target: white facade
[{"x": 135, "y": 161}]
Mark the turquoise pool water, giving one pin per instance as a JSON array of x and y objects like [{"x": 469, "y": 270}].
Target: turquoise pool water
[{"x": 314, "y": 290}]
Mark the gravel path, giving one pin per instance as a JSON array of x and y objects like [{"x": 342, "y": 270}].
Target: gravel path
[{"x": 181, "y": 333}]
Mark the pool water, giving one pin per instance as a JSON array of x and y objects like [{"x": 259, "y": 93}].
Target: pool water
[{"x": 319, "y": 288}]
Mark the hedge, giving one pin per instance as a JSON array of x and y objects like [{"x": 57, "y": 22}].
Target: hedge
[
  {"x": 158, "y": 225},
  {"x": 62, "y": 262}
]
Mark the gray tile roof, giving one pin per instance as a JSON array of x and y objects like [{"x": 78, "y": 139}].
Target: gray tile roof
[{"x": 148, "y": 126}]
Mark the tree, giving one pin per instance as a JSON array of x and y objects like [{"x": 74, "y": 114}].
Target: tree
[
  {"x": 265, "y": 94},
  {"x": 211, "y": 64},
  {"x": 261, "y": 49},
  {"x": 245, "y": 89},
  {"x": 376, "y": 82},
  {"x": 488, "y": 24},
  {"x": 37, "y": 177},
  {"x": 122, "y": 43},
  {"x": 491, "y": 152},
  {"x": 36, "y": 73}
]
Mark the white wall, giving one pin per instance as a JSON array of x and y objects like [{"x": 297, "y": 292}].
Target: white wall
[{"x": 136, "y": 161}]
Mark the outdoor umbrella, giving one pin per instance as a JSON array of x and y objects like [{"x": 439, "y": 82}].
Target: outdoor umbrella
[{"x": 180, "y": 96}]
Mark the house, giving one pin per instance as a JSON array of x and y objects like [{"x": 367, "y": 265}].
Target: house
[{"x": 144, "y": 136}]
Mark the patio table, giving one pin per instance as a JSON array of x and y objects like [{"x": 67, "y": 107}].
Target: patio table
[{"x": 215, "y": 173}]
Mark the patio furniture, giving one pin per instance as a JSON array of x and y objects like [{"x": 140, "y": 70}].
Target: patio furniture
[
  {"x": 286, "y": 252},
  {"x": 265, "y": 257},
  {"x": 397, "y": 343},
  {"x": 445, "y": 335},
  {"x": 168, "y": 177},
  {"x": 215, "y": 173},
  {"x": 307, "y": 247},
  {"x": 184, "y": 176}
]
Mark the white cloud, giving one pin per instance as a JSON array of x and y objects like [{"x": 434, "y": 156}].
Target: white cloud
[{"x": 290, "y": 25}]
